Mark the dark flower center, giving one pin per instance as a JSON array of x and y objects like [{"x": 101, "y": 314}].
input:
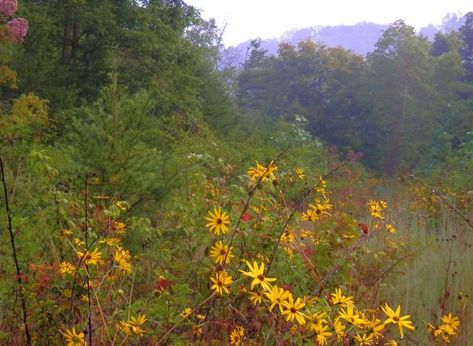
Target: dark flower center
[{"x": 219, "y": 221}]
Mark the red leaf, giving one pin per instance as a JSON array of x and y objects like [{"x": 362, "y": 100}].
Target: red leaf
[
  {"x": 364, "y": 227},
  {"x": 246, "y": 217}
]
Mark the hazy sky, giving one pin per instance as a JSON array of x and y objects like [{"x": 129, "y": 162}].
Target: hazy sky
[{"x": 245, "y": 19}]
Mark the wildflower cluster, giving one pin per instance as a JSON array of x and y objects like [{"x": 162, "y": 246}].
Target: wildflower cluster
[
  {"x": 334, "y": 318},
  {"x": 445, "y": 330}
]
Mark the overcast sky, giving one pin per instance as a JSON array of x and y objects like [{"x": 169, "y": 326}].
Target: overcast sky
[{"x": 245, "y": 19}]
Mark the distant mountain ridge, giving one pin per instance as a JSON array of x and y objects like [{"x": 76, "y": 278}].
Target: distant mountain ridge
[{"x": 359, "y": 38}]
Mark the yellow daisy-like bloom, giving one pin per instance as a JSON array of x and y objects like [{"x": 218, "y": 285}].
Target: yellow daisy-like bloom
[
  {"x": 339, "y": 329},
  {"x": 288, "y": 236},
  {"x": 78, "y": 242},
  {"x": 376, "y": 208},
  {"x": 257, "y": 273},
  {"x": 350, "y": 315},
  {"x": 321, "y": 208},
  {"x": 316, "y": 320},
  {"x": 309, "y": 215},
  {"x": 375, "y": 327},
  {"x": 122, "y": 205},
  {"x": 218, "y": 221},
  {"x": 67, "y": 268},
  {"x": 110, "y": 241},
  {"x": 220, "y": 282},
  {"x": 300, "y": 173},
  {"x": 395, "y": 318},
  {"x": 292, "y": 310},
  {"x": 289, "y": 252},
  {"x": 391, "y": 342},
  {"x": 237, "y": 335},
  {"x": 221, "y": 253},
  {"x": 119, "y": 227},
  {"x": 278, "y": 296},
  {"x": 364, "y": 339},
  {"x": 123, "y": 259},
  {"x": 435, "y": 331},
  {"x": 452, "y": 321},
  {"x": 390, "y": 228},
  {"x": 322, "y": 332},
  {"x": 264, "y": 173},
  {"x": 338, "y": 298},
  {"x": 449, "y": 331},
  {"x": 200, "y": 317},
  {"x": 262, "y": 257},
  {"x": 65, "y": 233},
  {"x": 133, "y": 325},
  {"x": 186, "y": 313},
  {"x": 90, "y": 258},
  {"x": 73, "y": 338},
  {"x": 256, "y": 297},
  {"x": 196, "y": 330}
]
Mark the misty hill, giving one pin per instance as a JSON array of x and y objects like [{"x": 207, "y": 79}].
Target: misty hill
[{"x": 359, "y": 38}]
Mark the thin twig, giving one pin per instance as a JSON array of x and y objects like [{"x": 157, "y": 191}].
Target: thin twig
[
  {"x": 248, "y": 199},
  {"x": 444, "y": 200},
  {"x": 163, "y": 338},
  {"x": 15, "y": 258},
  {"x": 86, "y": 221}
]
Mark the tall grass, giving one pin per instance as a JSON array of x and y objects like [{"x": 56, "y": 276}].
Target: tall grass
[{"x": 438, "y": 278}]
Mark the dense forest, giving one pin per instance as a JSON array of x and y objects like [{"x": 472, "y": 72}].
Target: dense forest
[{"x": 144, "y": 183}]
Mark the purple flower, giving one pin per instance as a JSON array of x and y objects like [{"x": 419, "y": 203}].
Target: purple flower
[
  {"x": 18, "y": 28},
  {"x": 7, "y": 7}
]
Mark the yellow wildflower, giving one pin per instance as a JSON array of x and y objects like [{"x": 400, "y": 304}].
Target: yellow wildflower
[
  {"x": 375, "y": 327},
  {"x": 196, "y": 330},
  {"x": 292, "y": 310},
  {"x": 90, "y": 258},
  {"x": 256, "y": 297},
  {"x": 278, "y": 296},
  {"x": 73, "y": 338},
  {"x": 257, "y": 273},
  {"x": 221, "y": 253},
  {"x": 322, "y": 332},
  {"x": 288, "y": 236},
  {"x": 220, "y": 282},
  {"x": 133, "y": 325},
  {"x": 376, "y": 207},
  {"x": 264, "y": 173},
  {"x": 218, "y": 221},
  {"x": 237, "y": 335},
  {"x": 364, "y": 339},
  {"x": 338, "y": 298},
  {"x": 186, "y": 313},
  {"x": 119, "y": 227},
  {"x": 395, "y": 318},
  {"x": 452, "y": 322},
  {"x": 66, "y": 268},
  {"x": 300, "y": 173},
  {"x": 350, "y": 315},
  {"x": 123, "y": 259},
  {"x": 122, "y": 205},
  {"x": 339, "y": 329}
]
